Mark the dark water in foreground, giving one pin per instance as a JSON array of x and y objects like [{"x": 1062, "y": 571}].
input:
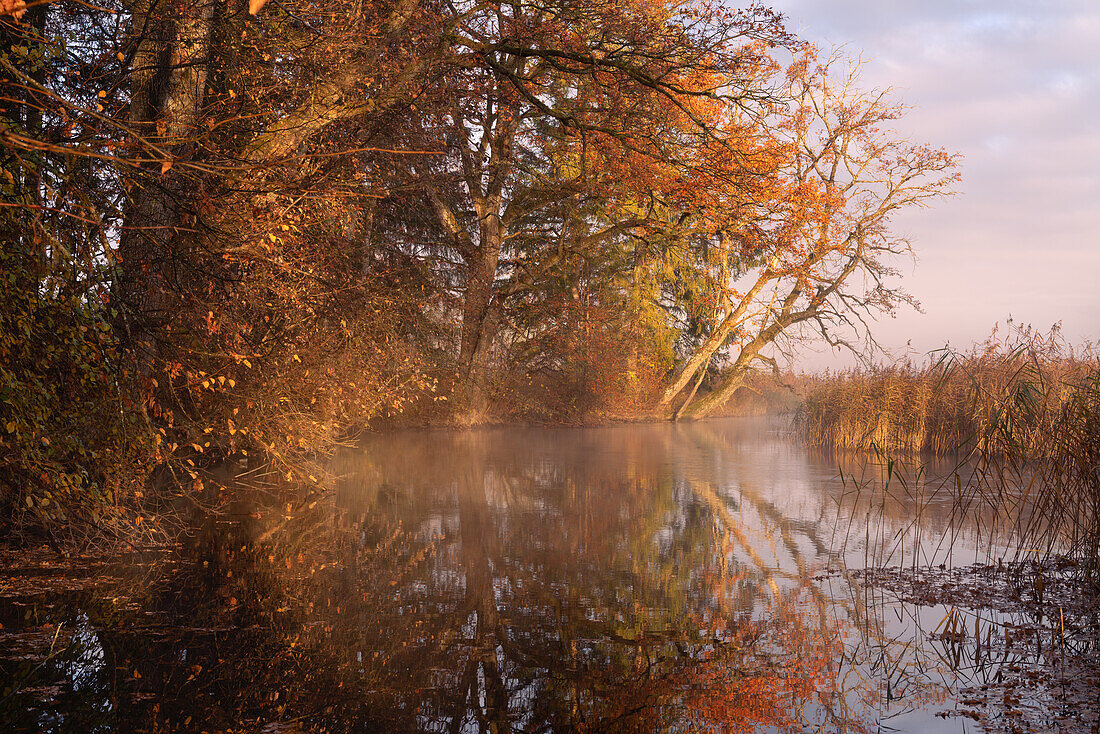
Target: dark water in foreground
[{"x": 696, "y": 577}]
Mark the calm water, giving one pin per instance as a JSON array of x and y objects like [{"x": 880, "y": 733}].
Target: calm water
[{"x": 629, "y": 578}]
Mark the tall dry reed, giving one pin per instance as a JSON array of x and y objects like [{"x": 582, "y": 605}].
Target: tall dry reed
[
  {"x": 1056, "y": 471},
  {"x": 1022, "y": 413},
  {"x": 956, "y": 402}
]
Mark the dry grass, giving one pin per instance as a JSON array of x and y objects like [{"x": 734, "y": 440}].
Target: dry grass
[
  {"x": 1021, "y": 413},
  {"x": 960, "y": 402}
]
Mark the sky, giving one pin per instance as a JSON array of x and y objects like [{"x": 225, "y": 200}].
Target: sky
[{"x": 1015, "y": 88}]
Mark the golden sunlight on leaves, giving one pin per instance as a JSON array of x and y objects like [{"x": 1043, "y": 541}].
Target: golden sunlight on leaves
[{"x": 14, "y": 8}]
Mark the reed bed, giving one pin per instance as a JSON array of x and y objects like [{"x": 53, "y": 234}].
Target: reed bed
[
  {"x": 1021, "y": 414},
  {"x": 998, "y": 398},
  {"x": 1058, "y": 471}
]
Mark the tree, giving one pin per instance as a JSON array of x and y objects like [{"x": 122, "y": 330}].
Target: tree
[
  {"x": 819, "y": 259},
  {"x": 256, "y": 313},
  {"x": 549, "y": 112},
  {"x": 182, "y": 224}
]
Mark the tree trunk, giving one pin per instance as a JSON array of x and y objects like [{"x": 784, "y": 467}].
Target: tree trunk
[
  {"x": 715, "y": 341},
  {"x": 480, "y": 321},
  {"x": 167, "y": 92},
  {"x": 691, "y": 395},
  {"x": 700, "y": 358},
  {"x": 704, "y": 406}
]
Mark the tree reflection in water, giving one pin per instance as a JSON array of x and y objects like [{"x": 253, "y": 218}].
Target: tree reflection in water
[{"x": 638, "y": 578}]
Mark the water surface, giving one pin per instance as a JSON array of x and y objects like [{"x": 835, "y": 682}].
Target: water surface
[{"x": 660, "y": 577}]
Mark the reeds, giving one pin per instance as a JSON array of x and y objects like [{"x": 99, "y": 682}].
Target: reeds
[
  {"x": 1022, "y": 415},
  {"x": 1057, "y": 470},
  {"x": 1000, "y": 397}
]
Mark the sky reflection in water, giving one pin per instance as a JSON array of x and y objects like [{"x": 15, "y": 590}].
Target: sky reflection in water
[{"x": 639, "y": 577}]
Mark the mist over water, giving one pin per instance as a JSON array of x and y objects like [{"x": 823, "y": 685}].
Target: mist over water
[
  {"x": 657, "y": 577},
  {"x": 659, "y": 544}
]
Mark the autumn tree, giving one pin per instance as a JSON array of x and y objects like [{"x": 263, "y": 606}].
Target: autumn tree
[
  {"x": 556, "y": 120},
  {"x": 71, "y": 441},
  {"x": 820, "y": 258},
  {"x": 182, "y": 183},
  {"x": 256, "y": 313}
]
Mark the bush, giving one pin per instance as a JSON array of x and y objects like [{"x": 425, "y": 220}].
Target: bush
[{"x": 71, "y": 450}]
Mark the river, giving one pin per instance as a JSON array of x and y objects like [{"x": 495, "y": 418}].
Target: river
[{"x": 707, "y": 576}]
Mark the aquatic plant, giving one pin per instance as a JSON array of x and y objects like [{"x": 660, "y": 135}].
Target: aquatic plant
[
  {"x": 1021, "y": 416},
  {"x": 1001, "y": 396}
]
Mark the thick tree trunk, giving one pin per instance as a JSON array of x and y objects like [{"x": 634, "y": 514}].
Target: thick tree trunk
[
  {"x": 734, "y": 376},
  {"x": 699, "y": 359},
  {"x": 480, "y": 321},
  {"x": 481, "y": 273},
  {"x": 731, "y": 382},
  {"x": 713, "y": 343},
  {"x": 167, "y": 92}
]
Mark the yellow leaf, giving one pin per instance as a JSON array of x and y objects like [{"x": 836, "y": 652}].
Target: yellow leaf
[
  {"x": 10, "y": 425},
  {"x": 164, "y": 166}
]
